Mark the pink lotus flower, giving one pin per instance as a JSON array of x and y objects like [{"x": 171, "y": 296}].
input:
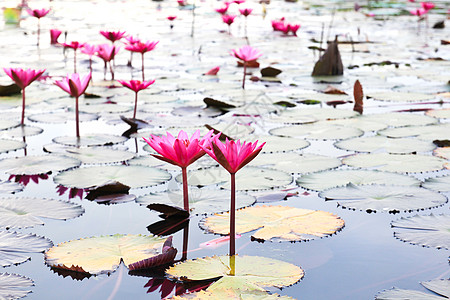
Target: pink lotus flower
[
  {"x": 418, "y": 12},
  {"x": 278, "y": 25},
  {"x": 89, "y": 50},
  {"x": 136, "y": 86},
  {"x": 23, "y": 78},
  {"x": 232, "y": 156},
  {"x": 75, "y": 46},
  {"x": 222, "y": 10},
  {"x": 228, "y": 19},
  {"x": 113, "y": 36},
  {"x": 107, "y": 53},
  {"x": 294, "y": 28},
  {"x": 171, "y": 18},
  {"x": 213, "y": 71},
  {"x": 246, "y": 54},
  {"x": 54, "y": 35},
  {"x": 181, "y": 2},
  {"x": 38, "y": 13},
  {"x": 245, "y": 11},
  {"x": 238, "y": 1},
  {"x": 131, "y": 40},
  {"x": 142, "y": 48},
  {"x": 75, "y": 86},
  {"x": 181, "y": 151},
  {"x": 427, "y": 5}
]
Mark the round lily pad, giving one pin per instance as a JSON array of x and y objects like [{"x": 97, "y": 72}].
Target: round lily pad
[
  {"x": 10, "y": 145},
  {"x": 276, "y": 223},
  {"x": 296, "y": 163},
  {"x": 26, "y": 212},
  {"x": 400, "y": 96},
  {"x": 231, "y": 294},
  {"x": 439, "y": 286},
  {"x": 401, "y": 294},
  {"x": 91, "y": 155},
  {"x": 90, "y": 140},
  {"x": 429, "y": 231},
  {"x": 384, "y": 198},
  {"x": 7, "y": 187},
  {"x": 248, "y": 178},
  {"x": 201, "y": 201},
  {"x": 132, "y": 176},
  {"x": 21, "y": 131},
  {"x": 400, "y": 163},
  {"x": 105, "y": 108},
  {"x": 307, "y": 115},
  {"x": 244, "y": 273},
  {"x": 7, "y": 124},
  {"x": 439, "y": 184},
  {"x": 103, "y": 254},
  {"x": 279, "y": 144},
  {"x": 427, "y": 133},
  {"x": 318, "y": 131},
  {"x": 31, "y": 165},
  {"x": 394, "y": 119},
  {"x": 329, "y": 179},
  {"x": 15, "y": 246},
  {"x": 385, "y": 144},
  {"x": 61, "y": 117},
  {"x": 443, "y": 113},
  {"x": 442, "y": 152},
  {"x": 359, "y": 122},
  {"x": 13, "y": 286}
]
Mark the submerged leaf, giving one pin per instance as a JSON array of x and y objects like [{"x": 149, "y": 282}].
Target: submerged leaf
[
  {"x": 278, "y": 223},
  {"x": 96, "y": 255},
  {"x": 13, "y": 286}
]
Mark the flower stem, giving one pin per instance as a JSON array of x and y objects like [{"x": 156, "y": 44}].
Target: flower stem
[
  {"x": 245, "y": 72},
  {"x": 185, "y": 242},
  {"x": 112, "y": 70},
  {"x": 77, "y": 119},
  {"x": 185, "y": 189},
  {"x": 233, "y": 215},
  {"x": 23, "y": 107},
  {"x": 143, "y": 76},
  {"x": 135, "y": 105},
  {"x": 74, "y": 60},
  {"x": 38, "y": 31}
]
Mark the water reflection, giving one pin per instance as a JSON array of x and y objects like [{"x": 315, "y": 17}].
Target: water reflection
[{"x": 25, "y": 179}]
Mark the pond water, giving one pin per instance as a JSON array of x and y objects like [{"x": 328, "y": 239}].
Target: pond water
[{"x": 356, "y": 262}]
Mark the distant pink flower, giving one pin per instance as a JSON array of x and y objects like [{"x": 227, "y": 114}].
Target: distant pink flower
[
  {"x": 222, "y": 10},
  {"x": 23, "y": 78},
  {"x": 412, "y": 1},
  {"x": 181, "y": 151},
  {"x": 228, "y": 19},
  {"x": 418, "y": 12},
  {"x": 294, "y": 28},
  {"x": 142, "y": 47},
  {"x": 113, "y": 36},
  {"x": 427, "y": 5},
  {"x": 89, "y": 49},
  {"x": 245, "y": 11},
  {"x": 74, "y": 45},
  {"x": 246, "y": 53},
  {"x": 107, "y": 52},
  {"x": 171, "y": 18},
  {"x": 75, "y": 86},
  {"x": 181, "y": 2},
  {"x": 54, "y": 35},
  {"x": 38, "y": 13},
  {"x": 213, "y": 71},
  {"x": 238, "y": 1},
  {"x": 136, "y": 86},
  {"x": 278, "y": 25},
  {"x": 131, "y": 40}
]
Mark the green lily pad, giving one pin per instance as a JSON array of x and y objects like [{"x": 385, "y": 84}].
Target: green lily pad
[
  {"x": 90, "y": 140},
  {"x": 13, "y": 286},
  {"x": 385, "y": 144},
  {"x": 31, "y": 165},
  {"x": 317, "y": 131},
  {"x": 329, "y": 179},
  {"x": 8, "y": 124},
  {"x": 26, "y": 212},
  {"x": 132, "y": 176},
  {"x": 296, "y": 163},
  {"x": 427, "y": 133},
  {"x": 276, "y": 223},
  {"x": 61, "y": 117},
  {"x": 429, "y": 231},
  {"x": 242, "y": 273},
  {"x": 231, "y": 295},
  {"x": 439, "y": 184},
  {"x": 201, "y": 201},
  {"x": 14, "y": 246},
  {"x": 400, "y": 163},
  {"x": 103, "y": 254},
  {"x": 249, "y": 178},
  {"x": 384, "y": 198},
  {"x": 104, "y": 108},
  {"x": 10, "y": 145},
  {"x": 400, "y": 96},
  {"x": 360, "y": 122},
  {"x": 91, "y": 155}
]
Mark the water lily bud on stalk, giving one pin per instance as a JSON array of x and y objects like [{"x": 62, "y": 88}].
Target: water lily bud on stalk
[
  {"x": 228, "y": 19},
  {"x": 75, "y": 85},
  {"x": 75, "y": 46},
  {"x": 246, "y": 54},
  {"x": 232, "y": 155},
  {"x": 136, "y": 86},
  {"x": 171, "y": 19},
  {"x": 107, "y": 53},
  {"x": 23, "y": 78},
  {"x": 181, "y": 151},
  {"x": 38, "y": 13},
  {"x": 54, "y": 35},
  {"x": 113, "y": 36},
  {"x": 142, "y": 47}
]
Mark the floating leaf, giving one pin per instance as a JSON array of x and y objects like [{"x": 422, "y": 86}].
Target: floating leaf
[
  {"x": 249, "y": 178},
  {"x": 279, "y": 144},
  {"x": 427, "y": 133},
  {"x": 308, "y": 115},
  {"x": 23, "y": 131},
  {"x": 108, "y": 189},
  {"x": 97, "y": 255},
  {"x": 439, "y": 286},
  {"x": 91, "y": 155},
  {"x": 442, "y": 152},
  {"x": 317, "y": 131},
  {"x": 132, "y": 176},
  {"x": 400, "y": 96},
  {"x": 401, "y": 119},
  {"x": 201, "y": 201},
  {"x": 443, "y": 113},
  {"x": 10, "y": 145},
  {"x": 439, "y": 184},
  {"x": 384, "y": 198},
  {"x": 167, "y": 256},
  {"x": 104, "y": 108},
  {"x": 428, "y": 231},
  {"x": 330, "y": 62},
  {"x": 401, "y": 294},
  {"x": 7, "y": 124},
  {"x": 90, "y": 140},
  {"x": 296, "y": 163},
  {"x": 61, "y": 117},
  {"x": 31, "y": 165},
  {"x": 330, "y": 179},
  {"x": 384, "y": 144},
  {"x": 26, "y": 212},
  {"x": 7, "y": 187},
  {"x": 241, "y": 273},
  {"x": 400, "y": 163},
  {"x": 13, "y": 247},
  {"x": 13, "y": 286},
  {"x": 277, "y": 223},
  {"x": 232, "y": 295}
]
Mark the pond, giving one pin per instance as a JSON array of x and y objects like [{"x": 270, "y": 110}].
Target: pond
[{"x": 374, "y": 171}]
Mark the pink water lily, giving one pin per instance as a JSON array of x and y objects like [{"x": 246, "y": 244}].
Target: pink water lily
[
  {"x": 246, "y": 54},
  {"x": 142, "y": 47},
  {"x": 245, "y": 11},
  {"x": 23, "y": 78},
  {"x": 38, "y": 13},
  {"x": 75, "y": 85},
  {"x": 107, "y": 53},
  {"x": 233, "y": 155},
  {"x": 222, "y": 10},
  {"x": 54, "y": 35},
  {"x": 89, "y": 50},
  {"x": 136, "y": 86},
  {"x": 228, "y": 19},
  {"x": 213, "y": 71},
  {"x": 427, "y": 5},
  {"x": 180, "y": 151},
  {"x": 113, "y": 36},
  {"x": 75, "y": 46}
]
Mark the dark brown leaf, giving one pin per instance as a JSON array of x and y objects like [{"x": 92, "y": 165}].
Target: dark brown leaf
[
  {"x": 8, "y": 90},
  {"x": 270, "y": 72},
  {"x": 358, "y": 95},
  {"x": 334, "y": 91},
  {"x": 168, "y": 255},
  {"x": 210, "y": 102},
  {"x": 330, "y": 63},
  {"x": 168, "y": 211},
  {"x": 109, "y": 188}
]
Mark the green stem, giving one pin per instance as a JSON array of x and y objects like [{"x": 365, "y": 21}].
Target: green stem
[
  {"x": 233, "y": 216},
  {"x": 185, "y": 189}
]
